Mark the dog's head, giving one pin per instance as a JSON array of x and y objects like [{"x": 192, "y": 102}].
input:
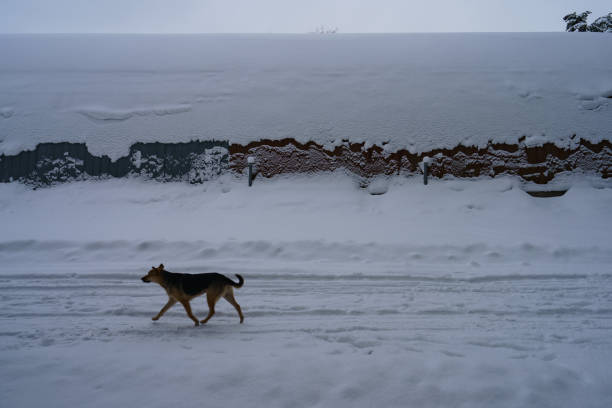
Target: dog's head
[{"x": 154, "y": 274}]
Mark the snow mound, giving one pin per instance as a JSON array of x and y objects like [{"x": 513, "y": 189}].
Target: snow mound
[
  {"x": 7, "y": 112},
  {"x": 378, "y": 186}
]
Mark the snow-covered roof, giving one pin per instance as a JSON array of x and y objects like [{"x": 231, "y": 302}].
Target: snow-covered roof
[{"x": 412, "y": 91}]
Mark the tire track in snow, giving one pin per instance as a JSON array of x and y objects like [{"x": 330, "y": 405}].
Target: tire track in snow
[{"x": 349, "y": 311}]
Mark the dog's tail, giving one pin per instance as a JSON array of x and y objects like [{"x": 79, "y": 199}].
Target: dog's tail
[{"x": 240, "y": 282}]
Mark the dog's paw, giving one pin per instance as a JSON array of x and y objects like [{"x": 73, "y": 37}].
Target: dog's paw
[
  {"x": 197, "y": 324},
  {"x": 155, "y": 318}
]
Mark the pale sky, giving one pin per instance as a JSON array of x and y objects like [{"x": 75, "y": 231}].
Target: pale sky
[{"x": 288, "y": 16}]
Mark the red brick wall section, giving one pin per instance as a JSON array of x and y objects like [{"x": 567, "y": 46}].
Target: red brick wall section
[{"x": 538, "y": 164}]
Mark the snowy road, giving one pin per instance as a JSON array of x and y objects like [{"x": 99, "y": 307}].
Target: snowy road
[
  {"x": 519, "y": 315},
  {"x": 539, "y": 338}
]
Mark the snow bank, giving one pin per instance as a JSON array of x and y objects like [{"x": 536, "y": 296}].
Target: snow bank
[
  {"x": 416, "y": 91},
  {"x": 329, "y": 207}
]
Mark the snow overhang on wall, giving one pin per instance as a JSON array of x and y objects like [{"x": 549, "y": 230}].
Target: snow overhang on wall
[{"x": 413, "y": 92}]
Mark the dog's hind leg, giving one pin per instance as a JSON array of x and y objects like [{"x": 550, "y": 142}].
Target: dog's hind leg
[
  {"x": 187, "y": 307},
  {"x": 211, "y": 298},
  {"x": 229, "y": 296},
  {"x": 171, "y": 302}
]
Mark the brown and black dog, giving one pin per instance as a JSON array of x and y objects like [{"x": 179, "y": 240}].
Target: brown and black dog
[{"x": 182, "y": 287}]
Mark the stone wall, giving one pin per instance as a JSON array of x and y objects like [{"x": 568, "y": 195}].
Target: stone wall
[
  {"x": 196, "y": 162},
  {"x": 51, "y": 163},
  {"x": 538, "y": 164}
]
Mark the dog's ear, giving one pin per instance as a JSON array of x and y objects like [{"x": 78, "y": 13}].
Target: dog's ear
[{"x": 161, "y": 266}]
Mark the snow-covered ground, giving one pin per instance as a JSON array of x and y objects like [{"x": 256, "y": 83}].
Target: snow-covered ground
[
  {"x": 460, "y": 293},
  {"x": 402, "y": 91}
]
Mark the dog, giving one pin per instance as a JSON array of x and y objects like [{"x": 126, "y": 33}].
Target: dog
[{"x": 182, "y": 287}]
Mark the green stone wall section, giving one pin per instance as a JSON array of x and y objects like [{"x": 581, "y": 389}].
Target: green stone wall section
[{"x": 51, "y": 163}]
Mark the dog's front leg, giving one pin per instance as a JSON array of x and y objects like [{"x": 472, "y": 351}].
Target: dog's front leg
[
  {"x": 187, "y": 307},
  {"x": 171, "y": 302}
]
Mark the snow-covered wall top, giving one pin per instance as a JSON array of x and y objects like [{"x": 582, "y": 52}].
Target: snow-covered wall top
[{"x": 412, "y": 91}]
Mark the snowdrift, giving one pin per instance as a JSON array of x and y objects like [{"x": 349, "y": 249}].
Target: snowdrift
[{"x": 412, "y": 92}]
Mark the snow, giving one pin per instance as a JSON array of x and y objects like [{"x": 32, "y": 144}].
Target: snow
[
  {"x": 464, "y": 293},
  {"x": 110, "y": 114},
  {"x": 401, "y": 91},
  {"x": 378, "y": 185}
]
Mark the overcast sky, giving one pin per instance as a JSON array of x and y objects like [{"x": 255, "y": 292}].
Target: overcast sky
[{"x": 288, "y": 16}]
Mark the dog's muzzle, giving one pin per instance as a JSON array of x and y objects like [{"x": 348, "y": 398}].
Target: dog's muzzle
[{"x": 145, "y": 279}]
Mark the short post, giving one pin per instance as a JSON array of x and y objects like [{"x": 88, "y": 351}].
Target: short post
[
  {"x": 426, "y": 161},
  {"x": 250, "y": 161}
]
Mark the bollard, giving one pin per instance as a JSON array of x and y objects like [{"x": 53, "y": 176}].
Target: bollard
[
  {"x": 250, "y": 160},
  {"x": 426, "y": 161}
]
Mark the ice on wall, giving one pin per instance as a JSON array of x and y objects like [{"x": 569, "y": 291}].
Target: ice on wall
[
  {"x": 208, "y": 165},
  {"x": 49, "y": 170},
  {"x": 196, "y": 167},
  {"x": 404, "y": 91}
]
